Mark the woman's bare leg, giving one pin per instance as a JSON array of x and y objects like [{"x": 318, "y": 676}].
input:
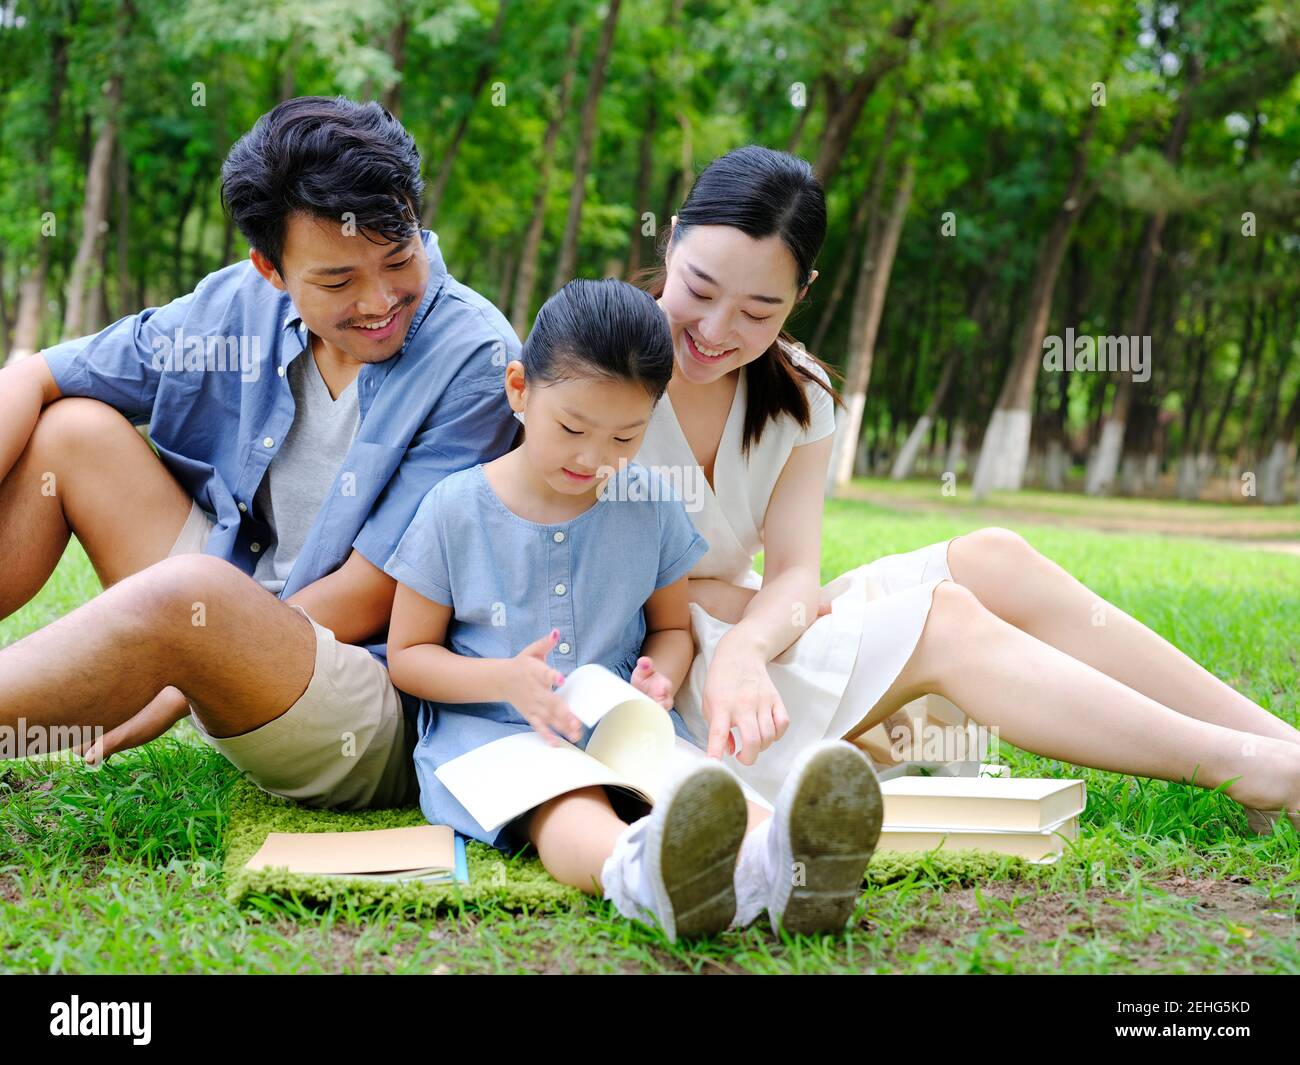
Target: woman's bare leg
[
  {"x": 1033, "y": 593},
  {"x": 1044, "y": 700},
  {"x": 574, "y": 833}
]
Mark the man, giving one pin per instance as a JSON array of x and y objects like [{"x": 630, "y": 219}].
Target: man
[{"x": 301, "y": 404}]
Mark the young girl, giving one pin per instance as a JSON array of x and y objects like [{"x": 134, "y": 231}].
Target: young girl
[{"x": 547, "y": 553}]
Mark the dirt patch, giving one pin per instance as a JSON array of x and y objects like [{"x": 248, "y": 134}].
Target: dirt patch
[
  {"x": 1246, "y": 531},
  {"x": 1232, "y": 915}
]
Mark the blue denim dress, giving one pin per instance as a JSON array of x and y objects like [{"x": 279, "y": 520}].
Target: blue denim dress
[{"x": 510, "y": 581}]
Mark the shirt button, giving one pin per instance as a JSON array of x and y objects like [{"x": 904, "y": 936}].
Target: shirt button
[
  {"x": 255, "y": 548},
  {"x": 564, "y": 648},
  {"x": 559, "y": 589},
  {"x": 558, "y": 537},
  {"x": 243, "y": 508},
  {"x": 267, "y": 442},
  {"x": 280, "y": 370}
]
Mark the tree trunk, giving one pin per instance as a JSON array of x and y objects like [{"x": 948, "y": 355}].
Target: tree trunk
[
  {"x": 645, "y": 175},
  {"x": 868, "y": 305},
  {"x": 843, "y": 113},
  {"x": 396, "y": 48},
  {"x": 94, "y": 215},
  {"x": 526, "y": 280},
  {"x": 864, "y": 216},
  {"x": 434, "y": 198},
  {"x": 31, "y": 289},
  {"x": 1101, "y": 476},
  {"x": 568, "y": 257},
  {"x": 1005, "y": 449}
]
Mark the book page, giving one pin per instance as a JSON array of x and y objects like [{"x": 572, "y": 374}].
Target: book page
[{"x": 507, "y": 777}]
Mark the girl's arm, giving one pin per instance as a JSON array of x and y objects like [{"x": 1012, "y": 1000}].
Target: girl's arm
[
  {"x": 738, "y": 690},
  {"x": 668, "y": 644},
  {"x": 420, "y": 664}
]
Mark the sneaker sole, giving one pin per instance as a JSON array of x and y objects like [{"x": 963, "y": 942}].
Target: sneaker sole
[
  {"x": 835, "y": 814},
  {"x": 697, "y": 843}
]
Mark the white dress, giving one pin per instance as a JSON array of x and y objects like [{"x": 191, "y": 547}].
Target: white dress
[{"x": 879, "y": 607}]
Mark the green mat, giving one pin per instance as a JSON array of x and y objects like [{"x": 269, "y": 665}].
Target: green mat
[{"x": 516, "y": 883}]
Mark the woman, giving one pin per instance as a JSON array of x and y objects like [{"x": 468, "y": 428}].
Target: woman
[{"x": 982, "y": 619}]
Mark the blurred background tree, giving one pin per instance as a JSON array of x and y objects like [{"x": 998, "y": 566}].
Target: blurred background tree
[{"x": 997, "y": 172}]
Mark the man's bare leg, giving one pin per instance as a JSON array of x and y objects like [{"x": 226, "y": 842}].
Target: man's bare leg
[
  {"x": 240, "y": 655},
  {"x": 87, "y": 472}
]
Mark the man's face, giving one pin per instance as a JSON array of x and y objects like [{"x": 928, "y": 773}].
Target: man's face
[{"x": 343, "y": 283}]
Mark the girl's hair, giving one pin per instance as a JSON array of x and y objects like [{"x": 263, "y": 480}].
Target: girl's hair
[
  {"x": 602, "y": 328},
  {"x": 763, "y": 192}
]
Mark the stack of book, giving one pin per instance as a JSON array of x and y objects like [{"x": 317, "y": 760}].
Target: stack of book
[{"x": 1026, "y": 816}]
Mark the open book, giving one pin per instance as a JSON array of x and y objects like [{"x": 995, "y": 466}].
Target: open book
[
  {"x": 422, "y": 852},
  {"x": 633, "y": 746}
]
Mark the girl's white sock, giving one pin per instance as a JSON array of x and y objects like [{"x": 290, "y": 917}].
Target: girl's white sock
[
  {"x": 622, "y": 876},
  {"x": 754, "y": 876}
]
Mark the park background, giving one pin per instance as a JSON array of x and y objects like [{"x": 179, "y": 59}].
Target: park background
[{"x": 998, "y": 172}]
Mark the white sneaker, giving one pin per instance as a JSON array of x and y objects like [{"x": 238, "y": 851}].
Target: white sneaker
[
  {"x": 805, "y": 863},
  {"x": 676, "y": 867}
]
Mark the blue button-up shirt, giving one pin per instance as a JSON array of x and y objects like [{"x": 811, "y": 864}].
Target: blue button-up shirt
[{"x": 207, "y": 374}]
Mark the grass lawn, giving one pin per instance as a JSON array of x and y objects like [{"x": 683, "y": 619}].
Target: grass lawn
[{"x": 117, "y": 870}]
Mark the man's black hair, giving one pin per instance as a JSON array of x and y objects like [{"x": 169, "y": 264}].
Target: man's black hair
[{"x": 330, "y": 157}]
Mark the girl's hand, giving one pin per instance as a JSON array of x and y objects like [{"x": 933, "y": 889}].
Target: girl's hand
[
  {"x": 739, "y": 693},
  {"x": 647, "y": 681},
  {"x": 528, "y": 688}
]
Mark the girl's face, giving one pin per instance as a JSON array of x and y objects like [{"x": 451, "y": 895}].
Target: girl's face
[
  {"x": 577, "y": 431},
  {"x": 727, "y": 297}
]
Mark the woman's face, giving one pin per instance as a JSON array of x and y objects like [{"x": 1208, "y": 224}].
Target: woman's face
[{"x": 726, "y": 297}]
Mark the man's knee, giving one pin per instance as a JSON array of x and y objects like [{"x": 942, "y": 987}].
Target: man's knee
[
  {"x": 76, "y": 425},
  {"x": 187, "y": 585}
]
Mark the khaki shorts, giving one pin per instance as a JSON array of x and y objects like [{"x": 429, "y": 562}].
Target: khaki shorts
[{"x": 345, "y": 744}]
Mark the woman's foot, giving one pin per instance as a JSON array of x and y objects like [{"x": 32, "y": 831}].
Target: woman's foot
[
  {"x": 1269, "y": 784},
  {"x": 676, "y": 866},
  {"x": 1261, "y": 822},
  {"x": 805, "y": 863}
]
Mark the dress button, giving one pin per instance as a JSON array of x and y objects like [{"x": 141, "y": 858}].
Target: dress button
[
  {"x": 243, "y": 508},
  {"x": 255, "y": 548},
  {"x": 564, "y": 648},
  {"x": 559, "y": 589},
  {"x": 267, "y": 442},
  {"x": 280, "y": 370},
  {"x": 558, "y": 537}
]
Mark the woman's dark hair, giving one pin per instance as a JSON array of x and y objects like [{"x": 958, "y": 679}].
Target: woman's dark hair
[
  {"x": 328, "y": 157},
  {"x": 763, "y": 192},
  {"x": 600, "y": 329}
]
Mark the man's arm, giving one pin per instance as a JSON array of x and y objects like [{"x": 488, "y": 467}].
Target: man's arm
[
  {"x": 354, "y": 602},
  {"x": 26, "y": 388}
]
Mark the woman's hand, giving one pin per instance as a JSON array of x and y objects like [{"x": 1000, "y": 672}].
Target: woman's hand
[
  {"x": 647, "y": 680},
  {"x": 528, "y": 688},
  {"x": 739, "y": 693}
]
